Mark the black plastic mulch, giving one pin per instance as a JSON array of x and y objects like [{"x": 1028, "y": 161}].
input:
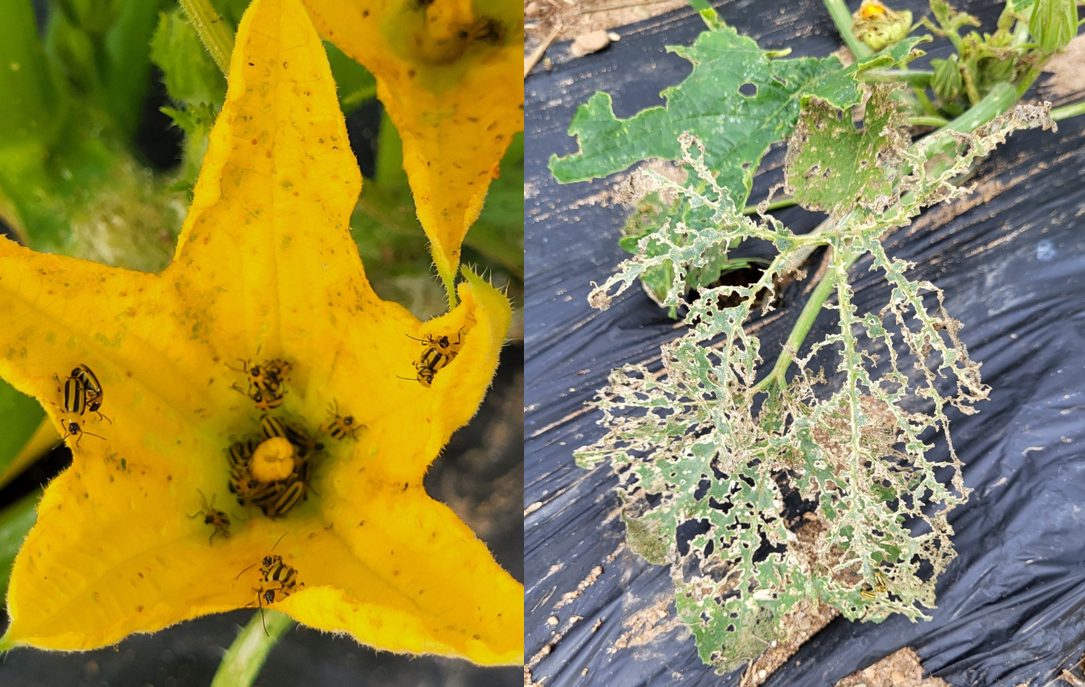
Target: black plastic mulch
[{"x": 1011, "y": 260}]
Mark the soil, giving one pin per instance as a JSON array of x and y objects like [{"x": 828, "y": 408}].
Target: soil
[
  {"x": 804, "y": 621},
  {"x": 901, "y": 669},
  {"x": 554, "y": 21},
  {"x": 1068, "y": 78}
]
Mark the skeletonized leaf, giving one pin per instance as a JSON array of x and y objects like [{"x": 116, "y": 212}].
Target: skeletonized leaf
[
  {"x": 831, "y": 164},
  {"x": 703, "y": 445}
]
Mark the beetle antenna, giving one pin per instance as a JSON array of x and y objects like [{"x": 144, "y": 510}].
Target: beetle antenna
[{"x": 277, "y": 541}]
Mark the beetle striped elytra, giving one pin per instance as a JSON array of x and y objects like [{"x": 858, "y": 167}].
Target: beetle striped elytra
[
  {"x": 266, "y": 381},
  {"x": 274, "y": 497},
  {"x": 438, "y": 352},
  {"x": 428, "y": 365},
  {"x": 273, "y": 571},
  {"x": 272, "y": 427},
  {"x": 444, "y": 343},
  {"x": 82, "y": 392},
  {"x": 341, "y": 425},
  {"x": 75, "y": 396},
  {"x": 93, "y": 388}
]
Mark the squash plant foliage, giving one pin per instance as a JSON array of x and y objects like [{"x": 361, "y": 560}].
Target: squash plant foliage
[{"x": 816, "y": 480}]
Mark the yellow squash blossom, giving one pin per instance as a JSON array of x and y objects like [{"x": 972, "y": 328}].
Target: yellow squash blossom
[
  {"x": 251, "y": 426},
  {"x": 448, "y": 73}
]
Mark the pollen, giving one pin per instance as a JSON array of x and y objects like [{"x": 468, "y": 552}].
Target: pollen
[{"x": 273, "y": 460}]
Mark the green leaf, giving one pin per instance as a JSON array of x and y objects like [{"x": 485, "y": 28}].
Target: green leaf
[
  {"x": 831, "y": 165},
  {"x": 1053, "y": 23},
  {"x": 71, "y": 52},
  {"x": 700, "y": 440},
  {"x": 192, "y": 78},
  {"x": 127, "y": 63},
  {"x": 231, "y": 11},
  {"x": 386, "y": 230},
  {"x": 737, "y": 101},
  {"x": 15, "y": 521},
  {"x": 91, "y": 16},
  {"x": 647, "y": 232},
  {"x": 356, "y": 85},
  {"x": 101, "y": 49},
  {"x": 389, "y": 173},
  {"x": 21, "y": 416},
  {"x": 31, "y": 108}
]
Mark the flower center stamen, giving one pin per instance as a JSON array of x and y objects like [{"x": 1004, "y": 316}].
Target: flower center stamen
[{"x": 273, "y": 460}]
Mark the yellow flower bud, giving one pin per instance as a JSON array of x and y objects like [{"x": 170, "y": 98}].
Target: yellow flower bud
[{"x": 880, "y": 27}]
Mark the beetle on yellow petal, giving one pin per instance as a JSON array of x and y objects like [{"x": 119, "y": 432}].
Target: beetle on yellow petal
[
  {"x": 448, "y": 74},
  {"x": 264, "y": 263}
]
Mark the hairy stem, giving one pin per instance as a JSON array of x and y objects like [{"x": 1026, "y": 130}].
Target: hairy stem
[
  {"x": 246, "y": 656},
  {"x": 1068, "y": 111},
  {"x": 842, "y": 18},
  {"x": 809, "y": 313},
  {"x": 708, "y": 14},
  {"x": 212, "y": 30},
  {"x": 920, "y": 78},
  {"x": 780, "y": 203},
  {"x": 928, "y": 121}
]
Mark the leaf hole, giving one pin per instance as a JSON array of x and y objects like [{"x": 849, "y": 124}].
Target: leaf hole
[
  {"x": 687, "y": 531},
  {"x": 702, "y": 489},
  {"x": 748, "y": 90}
]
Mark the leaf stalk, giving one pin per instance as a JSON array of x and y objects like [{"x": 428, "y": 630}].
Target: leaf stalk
[
  {"x": 842, "y": 18},
  {"x": 1068, "y": 111},
  {"x": 212, "y": 30},
  {"x": 246, "y": 656}
]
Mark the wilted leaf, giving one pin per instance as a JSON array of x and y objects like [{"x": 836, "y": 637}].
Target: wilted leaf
[{"x": 831, "y": 165}]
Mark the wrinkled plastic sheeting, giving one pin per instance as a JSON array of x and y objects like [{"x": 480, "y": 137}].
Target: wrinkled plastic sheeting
[{"x": 1011, "y": 260}]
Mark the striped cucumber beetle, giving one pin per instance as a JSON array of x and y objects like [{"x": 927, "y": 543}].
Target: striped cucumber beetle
[
  {"x": 341, "y": 425},
  {"x": 211, "y": 516}
]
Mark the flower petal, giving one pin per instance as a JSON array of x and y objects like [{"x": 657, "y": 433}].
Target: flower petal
[
  {"x": 448, "y": 73},
  {"x": 407, "y": 423},
  {"x": 267, "y": 237},
  {"x": 61, "y": 312},
  {"x": 459, "y": 389},
  {"x": 113, "y": 553},
  {"x": 430, "y": 585}
]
